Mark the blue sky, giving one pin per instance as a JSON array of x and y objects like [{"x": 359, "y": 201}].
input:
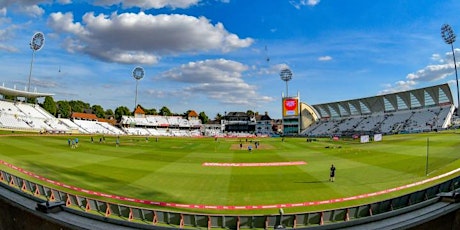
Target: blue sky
[{"x": 219, "y": 56}]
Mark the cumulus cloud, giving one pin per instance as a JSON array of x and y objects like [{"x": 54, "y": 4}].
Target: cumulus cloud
[
  {"x": 435, "y": 72},
  {"x": 299, "y": 3},
  {"x": 143, "y": 38},
  {"x": 429, "y": 73},
  {"x": 28, "y": 7},
  {"x": 398, "y": 86},
  {"x": 432, "y": 73},
  {"x": 218, "y": 79},
  {"x": 148, "y": 4}
]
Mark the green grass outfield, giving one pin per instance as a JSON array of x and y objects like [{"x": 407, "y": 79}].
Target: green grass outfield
[{"x": 171, "y": 169}]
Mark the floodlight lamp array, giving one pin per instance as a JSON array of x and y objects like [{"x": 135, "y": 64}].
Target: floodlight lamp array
[
  {"x": 138, "y": 73},
  {"x": 448, "y": 34},
  {"x": 286, "y": 74},
  {"x": 37, "y": 42}
]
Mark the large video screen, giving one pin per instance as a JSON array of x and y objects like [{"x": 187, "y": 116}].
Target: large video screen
[{"x": 290, "y": 107}]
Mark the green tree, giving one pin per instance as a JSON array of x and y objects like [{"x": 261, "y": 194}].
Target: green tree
[
  {"x": 98, "y": 110},
  {"x": 78, "y": 106},
  {"x": 109, "y": 112},
  {"x": 203, "y": 117},
  {"x": 63, "y": 109},
  {"x": 151, "y": 111},
  {"x": 122, "y": 110},
  {"x": 9, "y": 97},
  {"x": 49, "y": 105},
  {"x": 164, "y": 111},
  {"x": 31, "y": 100},
  {"x": 250, "y": 113},
  {"x": 218, "y": 116}
]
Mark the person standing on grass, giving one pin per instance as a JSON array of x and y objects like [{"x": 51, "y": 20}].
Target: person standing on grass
[{"x": 332, "y": 173}]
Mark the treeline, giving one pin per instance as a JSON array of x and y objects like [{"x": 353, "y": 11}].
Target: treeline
[{"x": 64, "y": 109}]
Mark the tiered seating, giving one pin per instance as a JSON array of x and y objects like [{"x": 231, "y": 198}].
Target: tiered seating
[
  {"x": 9, "y": 108},
  {"x": 12, "y": 122},
  {"x": 163, "y": 132},
  {"x": 137, "y": 131},
  {"x": 443, "y": 116},
  {"x": 212, "y": 132},
  {"x": 174, "y": 121},
  {"x": 30, "y": 111},
  {"x": 394, "y": 121},
  {"x": 153, "y": 132},
  {"x": 112, "y": 129},
  {"x": 195, "y": 123},
  {"x": 417, "y": 120},
  {"x": 152, "y": 121},
  {"x": 349, "y": 123},
  {"x": 162, "y": 121},
  {"x": 72, "y": 125},
  {"x": 322, "y": 128},
  {"x": 31, "y": 117},
  {"x": 97, "y": 127},
  {"x": 157, "y": 125}
]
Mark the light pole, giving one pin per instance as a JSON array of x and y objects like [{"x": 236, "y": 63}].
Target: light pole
[
  {"x": 286, "y": 75},
  {"x": 37, "y": 42},
  {"x": 138, "y": 73},
  {"x": 448, "y": 35}
]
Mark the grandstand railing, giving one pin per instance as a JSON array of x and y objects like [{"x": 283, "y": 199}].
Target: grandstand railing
[{"x": 136, "y": 216}]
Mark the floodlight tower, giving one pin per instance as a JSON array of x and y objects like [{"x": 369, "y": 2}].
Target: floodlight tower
[
  {"x": 448, "y": 35},
  {"x": 37, "y": 42},
  {"x": 138, "y": 74},
  {"x": 286, "y": 75}
]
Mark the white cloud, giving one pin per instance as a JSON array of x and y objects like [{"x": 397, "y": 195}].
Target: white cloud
[
  {"x": 436, "y": 57},
  {"x": 142, "y": 38},
  {"x": 7, "y": 33},
  {"x": 65, "y": 2},
  {"x": 219, "y": 79},
  {"x": 436, "y": 72},
  {"x": 273, "y": 69},
  {"x": 427, "y": 74},
  {"x": 148, "y": 4},
  {"x": 432, "y": 73},
  {"x": 299, "y": 3},
  {"x": 8, "y": 48},
  {"x": 325, "y": 58},
  {"x": 28, "y": 7},
  {"x": 398, "y": 87}
]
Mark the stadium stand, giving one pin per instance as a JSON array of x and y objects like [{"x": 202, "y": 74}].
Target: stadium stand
[
  {"x": 420, "y": 110},
  {"x": 156, "y": 125},
  {"x": 29, "y": 117}
]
